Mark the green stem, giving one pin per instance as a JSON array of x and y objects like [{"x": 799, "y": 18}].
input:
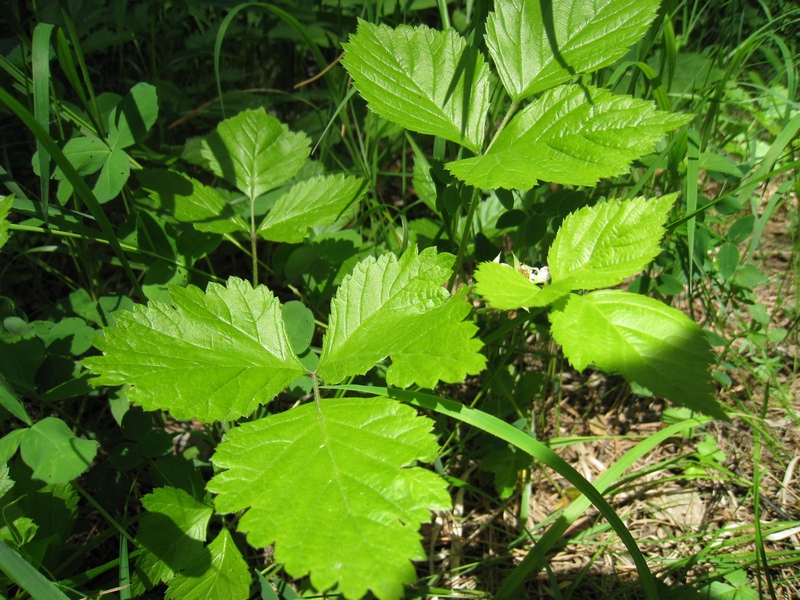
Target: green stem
[
  {"x": 253, "y": 239},
  {"x": 462, "y": 246},
  {"x": 509, "y": 113}
]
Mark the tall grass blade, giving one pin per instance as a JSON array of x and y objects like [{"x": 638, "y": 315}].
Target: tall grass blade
[
  {"x": 41, "y": 104},
  {"x": 26, "y": 577}
]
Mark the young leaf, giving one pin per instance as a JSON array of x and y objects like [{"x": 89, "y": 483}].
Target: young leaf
[
  {"x": 213, "y": 356},
  {"x": 317, "y": 201},
  {"x": 255, "y": 152},
  {"x": 647, "y": 342},
  {"x": 330, "y": 475},
  {"x": 505, "y": 288},
  {"x": 599, "y": 246},
  {"x": 190, "y": 201},
  {"x": 573, "y": 134},
  {"x": 425, "y": 80},
  {"x": 537, "y": 45},
  {"x": 171, "y": 534},
  {"x": 396, "y": 307},
  {"x": 54, "y": 453},
  {"x": 225, "y": 576}
]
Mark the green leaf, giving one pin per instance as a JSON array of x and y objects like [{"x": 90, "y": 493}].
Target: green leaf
[
  {"x": 5, "y": 207},
  {"x": 599, "y": 246},
  {"x": 571, "y": 135},
  {"x": 425, "y": 80},
  {"x": 87, "y": 155},
  {"x": 190, "y": 201},
  {"x": 171, "y": 534},
  {"x": 10, "y": 401},
  {"x": 227, "y": 575},
  {"x": 26, "y": 577},
  {"x": 537, "y": 45},
  {"x": 133, "y": 117},
  {"x": 255, "y": 152},
  {"x": 54, "y": 453},
  {"x": 505, "y": 288},
  {"x": 113, "y": 176},
  {"x": 314, "y": 202},
  {"x": 397, "y": 307},
  {"x": 646, "y": 341},
  {"x": 334, "y": 468},
  {"x": 214, "y": 356}
]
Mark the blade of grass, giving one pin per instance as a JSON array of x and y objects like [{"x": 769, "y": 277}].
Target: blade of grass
[
  {"x": 78, "y": 184},
  {"x": 26, "y": 577},
  {"x": 692, "y": 182},
  {"x": 41, "y": 104}
]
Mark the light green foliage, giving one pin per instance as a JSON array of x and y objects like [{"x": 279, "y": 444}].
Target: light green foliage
[
  {"x": 5, "y": 207},
  {"x": 213, "y": 356},
  {"x": 427, "y": 81},
  {"x": 326, "y": 482},
  {"x": 320, "y": 200},
  {"x": 649, "y": 343},
  {"x": 55, "y": 454},
  {"x": 225, "y": 576},
  {"x": 572, "y": 134},
  {"x": 254, "y": 152},
  {"x": 505, "y": 288},
  {"x": 399, "y": 308},
  {"x": 644, "y": 340},
  {"x": 599, "y": 246},
  {"x": 537, "y": 45}
]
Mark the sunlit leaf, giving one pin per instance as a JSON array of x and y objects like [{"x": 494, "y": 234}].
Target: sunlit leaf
[
  {"x": 646, "y": 341},
  {"x": 396, "y": 307},
  {"x": 211, "y": 356},
  {"x": 335, "y": 474},
  {"x": 571, "y": 135},
  {"x": 538, "y": 44},
  {"x": 425, "y": 80}
]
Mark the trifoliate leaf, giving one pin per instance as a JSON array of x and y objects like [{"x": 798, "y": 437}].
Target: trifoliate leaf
[
  {"x": 221, "y": 574},
  {"x": 5, "y": 207},
  {"x": 571, "y": 135},
  {"x": 599, "y": 246},
  {"x": 331, "y": 475},
  {"x": 55, "y": 454},
  {"x": 255, "y": 152},
  {"x": 425, "y": 80},
  {"x": 317, "y": 201},
  {"x": 537, "y": 45},
  {"x": 647, "y": 342},
  {"x": 171, "y": 534},
  {"x": 505, "y": 288},
  {"x": 190, "y": 201},
  {"x": 211, "y": 356},
  {"x": 385, "y": 307}
]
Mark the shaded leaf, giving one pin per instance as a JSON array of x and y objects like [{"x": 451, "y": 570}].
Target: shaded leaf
[
  {"x": 113, "y": 176},
  {"x": 389, "y": 306},
  {"x": 55, "y": 454},
  {"x": 571, "y": 135},
  {"x": 226, "y": 576},
  {"x": 536, "y": 45},
  {"x": 425, "y": 80},
  {"x": 5, "y": 207},
  {"x": 171, "y": 534},
  {"x": 599, "y": 246},
  {"x": 314, "y": 202},
  {"x": 211, "y": 356},
  {"x": 334, "y": 468},
  {"x": 255, "y": 152},
  {"x": 647, "y": 342},
  {"x": 133, "y": 117}
]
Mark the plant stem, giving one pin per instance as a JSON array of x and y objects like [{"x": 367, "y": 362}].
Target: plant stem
[
  {"x": 462, "y": 246},
  {"x": 253, "y": 238}
]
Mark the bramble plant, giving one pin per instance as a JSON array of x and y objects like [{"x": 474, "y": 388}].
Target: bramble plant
[{"x": 336, "y": 481}]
